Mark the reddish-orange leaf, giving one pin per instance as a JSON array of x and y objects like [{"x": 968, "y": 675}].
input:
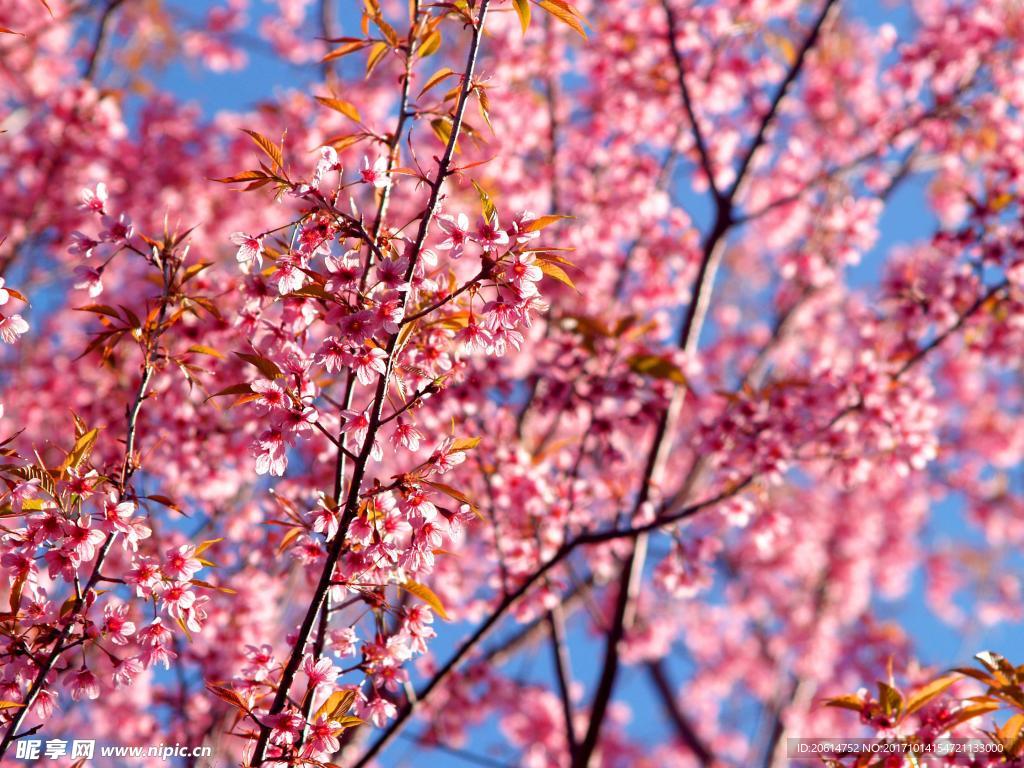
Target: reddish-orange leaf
[
  {"x": 342, "y": 106},
  {"x": 345, "y": 50},
  {"x": 269, "y": 148}
]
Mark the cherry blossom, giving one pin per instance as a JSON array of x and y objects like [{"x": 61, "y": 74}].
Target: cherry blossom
[{"x": 597, "y": 334}]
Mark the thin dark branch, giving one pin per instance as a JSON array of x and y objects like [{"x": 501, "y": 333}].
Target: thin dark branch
[
  {"x": 773, "y": 110},
  {"x": 563, "y": 669},
  {"x": 684, "y": 728},
  {"x": 100, "y": 40},
  {"x": 383, "y": 382},
  {"x": 128, "y": 467},
  {"x": 684, "y": 90},
  {"x": 441, "y": 302}
]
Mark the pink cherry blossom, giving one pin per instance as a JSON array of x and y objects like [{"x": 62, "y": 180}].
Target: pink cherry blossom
[
  {"x": 456, "y": 231},
  {"x": 94, "y": 200},
  {"x": 250, "y": 250},
  {"x": 377, "y": 173},
  {"x": 82, "y": 684},
  {"x": 89, "y": 280},
  {"x": 11, "y": 327}
]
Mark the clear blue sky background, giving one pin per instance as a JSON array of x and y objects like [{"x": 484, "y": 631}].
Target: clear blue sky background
[{"x": 906, "y": 219}]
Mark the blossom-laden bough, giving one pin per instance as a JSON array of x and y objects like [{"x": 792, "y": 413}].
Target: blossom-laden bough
[{"x": 573, "y": 326}]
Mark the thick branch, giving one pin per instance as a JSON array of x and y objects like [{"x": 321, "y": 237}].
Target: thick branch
[{"x": 688, "y": 340}]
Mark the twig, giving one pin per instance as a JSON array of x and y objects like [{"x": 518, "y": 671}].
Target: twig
[
  {"x": 684, "y": 728},
  {"x": 383, "y": 382},
  {"x": 127, "y": 470},
  {"x": 684, "y": 90}
]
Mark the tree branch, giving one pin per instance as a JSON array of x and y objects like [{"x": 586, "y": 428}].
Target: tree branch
[
  {"x": 380, "y": 397},
  {"x": 698, "y": 134},
  {"x": 684, "y": 728},
  {"x": 127, "y": 470}
]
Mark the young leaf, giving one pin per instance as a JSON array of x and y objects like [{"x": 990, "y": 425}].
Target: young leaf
[
  {"x": 465, "y": 443},
  {"x": 345, "y": 50},
  {"x": 234, "y": 389},
  {"x": 208, "y": 585},
  {"x": 267, "y": 367},
  {"x": 486, "y": 204},
  {"x": 201, "y": 349},
  {"x": 166, "y": 501},
  {"x": 337, "y": 704},
  {"x": 339, "y": 105},
  {"x": 657, "y": 368},
  {"x": 523, "y": 11},
  {"x": 436, "y": 78},
  {"x": 81, "y": 450},
  {"x": 454, "y": 493},
  {"x": 194, "y": 270},
  {"x": 257, "y": 177},
  {"x": 556, "y": 272},
  {"x": 269, "y": 148},
  {"x": 543, "y": 221},
  {"x": 442, "y": 127},
  {"x": 890, "y": 699},
  {"x": 850, "y": 701},
  {"x": 99, "y": 309},
  {"x": 919, "y": 697},
  {"x": 205, "y": 545},
  {"x": 971, "y": 712},
  {"x": 565, "y": 13},
  {"x": 377, "y": 53},
  {"x": 426, "y": 594},
  {"x": 431, "y": 44}
]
